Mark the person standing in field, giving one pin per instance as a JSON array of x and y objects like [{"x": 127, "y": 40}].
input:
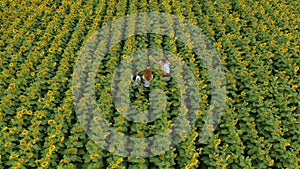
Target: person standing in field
[
  {"x": 165, "y": 67},
  {"x": 147, "y": 77},
  {"x": 136, "y": 79}
]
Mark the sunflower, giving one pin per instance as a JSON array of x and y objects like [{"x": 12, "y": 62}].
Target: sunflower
[
  {"x": 7, "y": 144},
  {"x": 188, "y": 166},
  {"x": 294, "y": 87},
  {"x": 205, "y": 97},
  {"x": 195, "y": 155},
  {"x": 51, "y": 122},
  {"x": 13, "y": 156},
  {"x": 114, "y": 166},
  {"x": 263, "y": 45},
  {"x": 64, "y": 161},
  {"x": 204, "y": 86},
  {"x": 93, "y": 156},
  {"x": 44, "y": 164},
  {"x": 194, "y": 162},
  {"x": 25, "y": 132},
  {"x": 19, "y": 115},
  {"x": 79, "y": 129},
  {"x": 111, "y": 149},
  {"x": 51, "y": 50},
  {"x": 271, "y": 55},
  {"x": 50, "y": 93},
  {"x": 104, "y": 24},
  {"x": 243, "y": 93},
  {"x": 224, "y": 166},
  {"x": 42, "y": 53},
  {"x": 35, "y": 131},
  {"x": 29, "y": 156},
  {"x": 192, "y": 60},
  {"x": 271, "y": 162},
  {"x": 22, "y": 143}
]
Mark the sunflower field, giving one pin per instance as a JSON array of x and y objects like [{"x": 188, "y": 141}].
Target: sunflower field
[{"x": 258, "y": 46}]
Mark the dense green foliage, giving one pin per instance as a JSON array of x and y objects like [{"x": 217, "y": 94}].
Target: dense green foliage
[{"x": 258, "y": 42}]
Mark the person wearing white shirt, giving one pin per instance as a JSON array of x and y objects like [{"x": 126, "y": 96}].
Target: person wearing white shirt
[
  {"x": 136, "y": 79},
  {"x": 147, "y": 83},
  {"x": 147, "y": 77},
  {"x": 165, "y": 67}
]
